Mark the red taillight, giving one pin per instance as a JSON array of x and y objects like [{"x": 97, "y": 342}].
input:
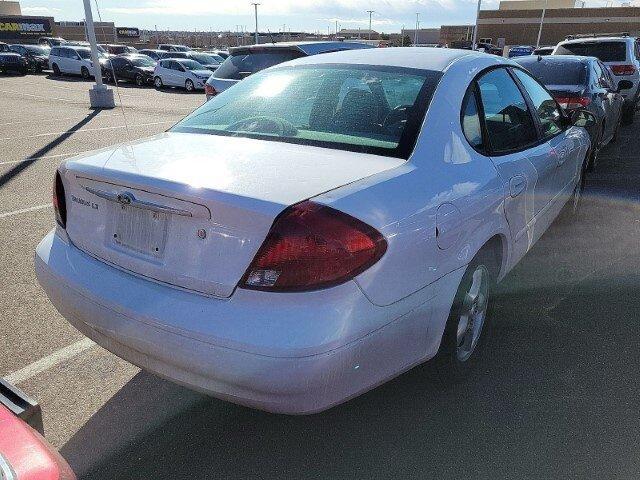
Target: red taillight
[
  {"x": 59, "y": 202},
  {"x": 209, "y": 90},
  {"x": 623, "y": 69},
  {"x": 569, "y": 103},
  {"x": 311, "y": 246}
]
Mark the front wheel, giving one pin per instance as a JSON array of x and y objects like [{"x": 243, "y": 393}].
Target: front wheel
[
  {"x": 189, "y": 86},
  {"x": 56, "y": 70},
  {"x": 157, "y": 82},
  {"x": 139, "y": 80},
  {"x": 463, "y": 340}
]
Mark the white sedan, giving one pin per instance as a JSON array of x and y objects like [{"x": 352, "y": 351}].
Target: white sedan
[
  {"x": 318, "y": 229},
  {"x": 180, "y": 72}
]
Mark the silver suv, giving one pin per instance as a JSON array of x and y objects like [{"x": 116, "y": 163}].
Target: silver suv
[{"x": 620, "y": 54}]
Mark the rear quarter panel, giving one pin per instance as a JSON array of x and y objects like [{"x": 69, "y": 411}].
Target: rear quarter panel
[{"x": 403, "y": 203}]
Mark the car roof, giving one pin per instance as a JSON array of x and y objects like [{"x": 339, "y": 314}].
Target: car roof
[
  {"x": 424, "y": 58},
  {"x": 597, "y": 39},
  {"x": 554, "y": 59},
  {"x": 308, "y": 47}
]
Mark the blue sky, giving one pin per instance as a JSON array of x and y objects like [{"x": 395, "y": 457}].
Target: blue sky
[{"x": 308, "y": 15}]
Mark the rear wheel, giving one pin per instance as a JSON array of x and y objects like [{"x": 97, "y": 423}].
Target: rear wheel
[
  {"x": 56, "y": 70},
  {"x": 108, "y": 75},
  {"x": 469, "y": 321},
  {"x": 571, "y": 209},
  {"x": 189, "y": 86},
  {"x": 595, "y": 150},
  {"x": 157, "y": 82},
  {"x": 139, "y": 80},
  {"x": 84, "y": 71}
]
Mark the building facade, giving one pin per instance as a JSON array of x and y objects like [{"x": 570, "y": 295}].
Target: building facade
[
  {"x": 456, "y": 33},
  {"x": 426, "y": 36},
  {"x": 520, "y": 27}
]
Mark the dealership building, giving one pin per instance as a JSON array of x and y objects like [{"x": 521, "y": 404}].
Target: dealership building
[{"x": 517, "y": 22}]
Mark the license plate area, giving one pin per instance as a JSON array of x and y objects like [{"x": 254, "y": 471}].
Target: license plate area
[{"x": 139, "y": 230}]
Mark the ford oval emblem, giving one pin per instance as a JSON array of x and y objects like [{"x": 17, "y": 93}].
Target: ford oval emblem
[{"x": 125, "y": 198}]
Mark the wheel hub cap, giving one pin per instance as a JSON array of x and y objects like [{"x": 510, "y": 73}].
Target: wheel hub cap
[{"x": 473, "y": 314}]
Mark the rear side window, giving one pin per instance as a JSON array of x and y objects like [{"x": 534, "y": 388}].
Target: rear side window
[
  {"x": 605, "y": 51},
  {"x": 508, "y": 120},
  {"x": 471, "y": 125},
  {"x": 546, "y": 107},
  {"x": 241, "y": 65}
]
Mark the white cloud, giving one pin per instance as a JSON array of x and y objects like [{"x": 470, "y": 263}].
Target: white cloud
[{"x": 40, "y": 10}]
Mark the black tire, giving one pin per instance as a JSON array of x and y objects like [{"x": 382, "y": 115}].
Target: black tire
[
  {"x": 189, "y": 86},
  {"x": 157, "y": 82},
  {"x": 56, "y": 70},
  {"x": 108, "y": 75},
  {"x": 571, "y": 211},
  {"x": 139, "y": 80},
  {"x": 595, "y": 151},
  {"x": 84, "y": 72},
  {"x": 458, "y": 354}
]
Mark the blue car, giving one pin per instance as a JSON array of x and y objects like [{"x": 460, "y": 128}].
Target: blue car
[{"x": 520, "y": 51}]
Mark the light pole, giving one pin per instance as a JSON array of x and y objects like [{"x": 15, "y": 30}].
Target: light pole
[
  {"x": 99, "y": 96},
  {"x": 371, "y": 12},
  {"x": 474, "y": 43},
  {"x": 544, "y": 10},
  {"x": 415, "y": 36},
  {"x": 255, "y": 6}
]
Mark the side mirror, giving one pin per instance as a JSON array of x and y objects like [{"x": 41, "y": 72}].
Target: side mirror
[
  {"x": 582, "y": 118},
  {"x": 624, "y": 85}
]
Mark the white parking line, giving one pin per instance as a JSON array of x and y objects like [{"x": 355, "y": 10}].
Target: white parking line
[
  {"x": 49, "y": 361},
  {"x": 25, "y": 210},
  {"x": 84, "y": 130},
  {"x": 46, "y": 157},
  {"x": 48, "y": 120},
  {"x": 45, "y": 98}
]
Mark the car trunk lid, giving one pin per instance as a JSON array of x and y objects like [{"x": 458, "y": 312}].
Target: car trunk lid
[{"x": 192, "y": 210}]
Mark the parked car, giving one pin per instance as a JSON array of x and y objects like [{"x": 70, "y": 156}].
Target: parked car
[
  {"x": 318, "y": 229},
  {"x": 582, "y": 82},
  {"x": 221, "y": 53},
  {"x": 115, "y": 49},
  {"x": 620, "y": 54},
  {"x": 151, "y": 53},
  {"x": 245, "y": 61},
  {"x": 178, "y": 72},
  {"x": 4, "y": 47},
  {"x": 75, "y": 60},
  {"x": 24, "y": 453},
  {"x": 13, "y": 62},
  {"x": 520, "y": 51},
  {"x": 51, "y": 41},
  {"x": 543, "y": 51},
  {"x": 130, "y": 67},
  {"x": 210, "y": 62},
  {"x": 37, "y": 56},
  {"x": 173, "y": 48}
]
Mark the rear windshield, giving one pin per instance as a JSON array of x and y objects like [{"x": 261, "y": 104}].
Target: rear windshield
[
  {"x": 605, "y": 51},
  {"x": 204, "y": 58},
  {"x": 558, "y": 73},
  {"x": 358, "y": 108},
  {"x": 37, "y": 49},
  {"x": 239, "y": 66}
]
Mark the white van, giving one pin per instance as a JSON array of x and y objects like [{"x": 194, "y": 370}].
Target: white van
[{"x": 72, "y": 60}]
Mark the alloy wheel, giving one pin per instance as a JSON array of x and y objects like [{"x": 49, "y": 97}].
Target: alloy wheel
[
  {"x": 189, "y": 86},
  {"x": 139, "y": 80},
  {"x": 473, "y": 313}
]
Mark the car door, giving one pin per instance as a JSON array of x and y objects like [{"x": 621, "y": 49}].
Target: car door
[
  {"x": 126, "y": 69},
  {"x": 179, "y": 74},
  {"x": 565, "y": 150},
  {"x": 170, "y": 72},
  {"x": 75, "y": 62},
  {"x": 614, "y": 100},
  {"x": 605, "y": 99},
  {"x": 513, "y": 146}
]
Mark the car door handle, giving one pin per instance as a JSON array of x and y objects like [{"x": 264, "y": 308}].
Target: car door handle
[{"x": 517, "y": 185}]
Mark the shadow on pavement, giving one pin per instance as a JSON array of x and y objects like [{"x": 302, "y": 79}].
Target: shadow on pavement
[
  {"x": 27, "y": 162},
  {"x": 556, "y": 395}
]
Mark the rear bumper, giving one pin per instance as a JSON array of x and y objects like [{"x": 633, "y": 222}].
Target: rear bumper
[{"x": 294, "y": 373}]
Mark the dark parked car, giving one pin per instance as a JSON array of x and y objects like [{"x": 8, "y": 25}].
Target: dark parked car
[
  {"x": 37, "y": 56},
  {"x": 152, "y": 53},
  {"x": 582, "y": 82},
  {"x": 543, "y": 51},
  {"x": 244, "y": 61},
  {"x": 131, "y": 67},
  {"x": 114, "y": 49},
  {"x": 173, "y": 48},
  {"x": 4, "y": 47},
  {"x": 520, "y": 51},
  {"x": 12, "y": 62}
]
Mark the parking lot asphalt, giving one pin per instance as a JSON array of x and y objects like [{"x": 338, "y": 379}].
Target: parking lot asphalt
[{"x": 556, "y": 396}]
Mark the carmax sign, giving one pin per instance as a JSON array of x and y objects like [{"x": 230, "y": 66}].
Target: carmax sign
[{"x": 21, "y": 27}]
